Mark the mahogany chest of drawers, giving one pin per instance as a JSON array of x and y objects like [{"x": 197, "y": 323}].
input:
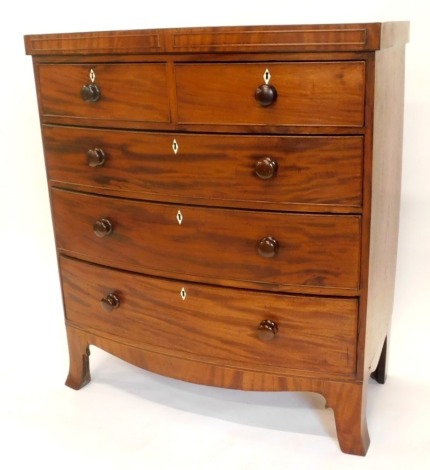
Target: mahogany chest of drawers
[{"x": 225, "y": 202}]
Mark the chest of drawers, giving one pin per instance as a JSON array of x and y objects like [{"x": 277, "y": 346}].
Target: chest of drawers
[{"x": 225, "y": 202}]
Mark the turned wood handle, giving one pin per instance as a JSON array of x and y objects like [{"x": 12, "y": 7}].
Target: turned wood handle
[
  {"x": 266, "y": 94},
  {"x": 96, "y": 157},
  {"x": 110, "y": 302},
  {"x": 266, "y": 168},
  {"x": 103, "y": 227},
  {"x": 267, "y": 330},
  {"x": 267, "y": 247},
  {"x": 90, "y": 93}
]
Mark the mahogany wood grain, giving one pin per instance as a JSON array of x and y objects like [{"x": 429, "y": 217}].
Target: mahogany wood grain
[
  {"x": 214, "y": 324},
  {"x": 387, "y": 146},
  {"x": 302, "y": 38},
  {"x": 308, "y": 93},
  {"x": 314, "y": 250},
  {"x": 129, "y": 92},
  {"x": 79, "y": 365},
  {"x": 348, "y": 399},
  {"x": 228, "y": 217},
  {"x": 210, "y": 169}
]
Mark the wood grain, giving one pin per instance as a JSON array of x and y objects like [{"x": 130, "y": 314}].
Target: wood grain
[
  {"x": 314, "y": 250},
  {"x": 385, "y": 203},
  {"x": 279, "y": 38},
  {"x": 194, "y": 252},
  {"x": 309, "y": 93},
  {"x": 129, "y": 92},
  {"x": 214, "y": 324},
  {"x": 210, "y": 169},
  {"x": 347, "y": 398}
]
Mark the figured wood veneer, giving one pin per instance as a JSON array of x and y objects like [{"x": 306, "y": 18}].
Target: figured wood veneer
[
  {"x": 322, "y": 172},
  {"x": 320, "y": 251},
  {"x": 225, "y": 202},
  {"x": 129, "y": 92},
  {"x": 308, "y": 93},
  {"x": 227, "y": 330}
]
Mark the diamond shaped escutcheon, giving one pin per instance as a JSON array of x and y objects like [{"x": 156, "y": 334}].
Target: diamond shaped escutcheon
[{"x": 175, "y": 146}]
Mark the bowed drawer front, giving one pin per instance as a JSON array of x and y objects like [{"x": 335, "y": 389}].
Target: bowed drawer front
[
  {"x": 213, "y": 323},
  {"x": 242, "y": 170},
  {"x": 225, "y": 202},
  {"x": 262, "y": 247}
]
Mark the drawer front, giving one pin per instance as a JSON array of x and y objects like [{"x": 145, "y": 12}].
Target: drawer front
[
  {"x": 213, "y": 324},
  {"x": 128, "y": 92},
  {"x": 264, "y": 170},
  {"x": 308, "y": 93},
  {"x": 263, "y": 247}
]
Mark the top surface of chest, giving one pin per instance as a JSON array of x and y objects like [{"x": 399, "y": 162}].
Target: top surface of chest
[{"x": 286, "y": 38}]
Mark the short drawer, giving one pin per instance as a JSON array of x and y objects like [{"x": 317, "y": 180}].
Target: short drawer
[
  {"x": 127, "y": 92},
  {"x": 266, "y": 171},
  {"x": 308, "y": 93},
  {"x": 243, "y": 245},
  {"x": 213, "y": 324}
]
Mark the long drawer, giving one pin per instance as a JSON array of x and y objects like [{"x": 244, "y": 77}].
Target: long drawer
[
  {"x": 243, "y": 245},
  {"x": 262, "y": 170},
  {"x": 307, "y": 93},
  {"x": 213, "y": 324}
]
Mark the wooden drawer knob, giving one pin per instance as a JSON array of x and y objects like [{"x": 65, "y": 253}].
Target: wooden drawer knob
[
  {"x": 96, "y": 157},
  {"x": 266, "y": 94},
  {"x": 90, "y": 93},
  {"x": 110, "y": 302},
  {"x": 267, "y": 247},
  {"x": 266, "y": 168},
  {"x": 103, "y": 227},
  {"x": 267, "y": 330}
]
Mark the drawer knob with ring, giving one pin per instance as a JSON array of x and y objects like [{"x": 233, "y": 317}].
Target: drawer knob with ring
[
  {"x": 103, "y": 227},
  {"x": 267, "y": 330},
  {"x": 267, "y": 247},
  {"x": 96, "y": 157},
  {"x": 266, "y": 168},
  {"x": 110, "y": 302},
  {"x": 90, "y": 93}
]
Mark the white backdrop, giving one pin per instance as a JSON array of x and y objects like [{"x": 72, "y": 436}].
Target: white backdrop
[{"x": 35, "y": 407}]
